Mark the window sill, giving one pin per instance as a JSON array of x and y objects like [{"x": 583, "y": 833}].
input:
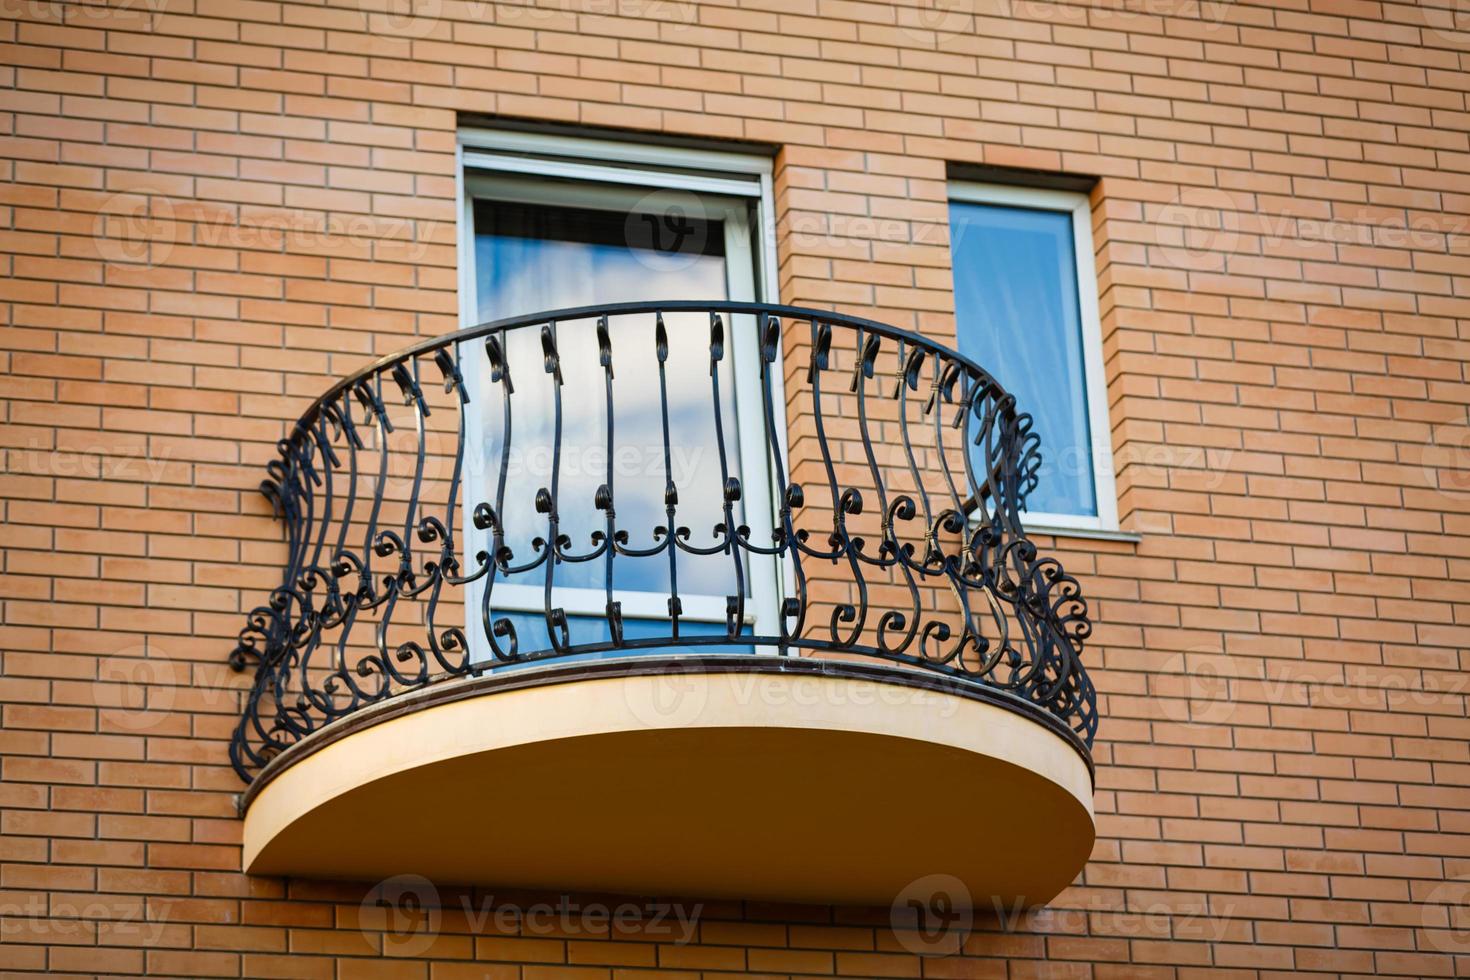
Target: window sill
[{"x": 1089, "y": 533}]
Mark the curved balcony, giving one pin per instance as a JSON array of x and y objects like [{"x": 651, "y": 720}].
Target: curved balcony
[{"x": 506, "y": 544}]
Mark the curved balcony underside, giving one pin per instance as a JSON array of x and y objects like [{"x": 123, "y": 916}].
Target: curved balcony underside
[{"x": 714, "y": 776}]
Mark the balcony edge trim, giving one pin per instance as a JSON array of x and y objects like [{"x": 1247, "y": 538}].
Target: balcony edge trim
[{"x": 458, "y": 689}]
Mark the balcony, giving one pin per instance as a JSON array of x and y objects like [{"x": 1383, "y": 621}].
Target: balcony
[{"x": 710, "y": 599}]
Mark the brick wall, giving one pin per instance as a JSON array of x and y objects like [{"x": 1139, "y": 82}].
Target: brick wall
[{"x": 192, "y": 189}]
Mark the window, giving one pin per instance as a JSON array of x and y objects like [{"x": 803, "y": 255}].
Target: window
[
  {"x": 551, "y": 223},
  {"x": 1026, "y": 310}
]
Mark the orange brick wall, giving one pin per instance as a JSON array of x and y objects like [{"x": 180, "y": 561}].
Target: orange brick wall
[{"x": 194, "y": 188}]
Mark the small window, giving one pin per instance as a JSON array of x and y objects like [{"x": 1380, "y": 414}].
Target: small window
[{"x": 1026, "y": 310}]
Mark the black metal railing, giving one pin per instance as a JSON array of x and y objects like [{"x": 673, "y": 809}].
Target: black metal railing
[{"x": 610, "y": 480}]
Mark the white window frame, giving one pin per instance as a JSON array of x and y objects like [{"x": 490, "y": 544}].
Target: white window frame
[
  {"x": 488, "y": 159},
  {"x": 1079, "y": 207}
]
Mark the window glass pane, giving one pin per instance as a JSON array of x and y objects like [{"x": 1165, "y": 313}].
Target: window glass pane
[
  {"x": 1015, "y": 279},
  {"x": 531, "y": 258},
  {"x": 586, "y": 630}
]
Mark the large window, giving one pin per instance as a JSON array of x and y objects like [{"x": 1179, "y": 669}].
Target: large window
[
  {"x": 555, "y": 223},
  {"x": 1026, "y": 308}
]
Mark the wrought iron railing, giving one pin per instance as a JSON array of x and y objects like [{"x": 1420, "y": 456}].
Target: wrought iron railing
[{"x": 523, "y": 491}]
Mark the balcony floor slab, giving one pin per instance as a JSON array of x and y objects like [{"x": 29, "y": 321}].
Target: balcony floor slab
[{"x": 721, "y": 777}]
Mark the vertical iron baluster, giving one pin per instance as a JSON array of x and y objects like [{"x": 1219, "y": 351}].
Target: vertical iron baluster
[
  {"x": 283, "y": 623},
  {"x": 491, "y": 517},
  {"x": 983, "y": 541},
  {"x": 1010, "y": 445},
  {"x": 790, "y": 495},
  {"x": 980, "y": 495},
  {"x": 403, "y": 584},
  {"x": 891, "y": 553},
  {"x": 603, "y": 499},
  {"x": 444, "y": 570},
  {"x": 330, "y": 462},
  {"x": 845, "y": 500},
  {"x": 908, "y": 380},
  {"x": 354, "y": 444},
  {"x": 368, "y": 583},
  {"x": 301, "y": 476},
  {"x": 730, "y": 487},
  {"x": 407, "y": 380},
  {"x": 342, "y": 564},
  {"x": 941, "y": 393},
  {"x": 304, "y": 479},
  {"x": 313, "y": 574},
  {"x": 950, "y": 521},
  {"x": 671, "y": 492},
  {"x": 299, "y": 518},
  {"x": 1011, "y": 439},
  {"x": 547, "y": 500},
  {"x": 388, "y": 541},
  {"x": 370, "y": 393}
]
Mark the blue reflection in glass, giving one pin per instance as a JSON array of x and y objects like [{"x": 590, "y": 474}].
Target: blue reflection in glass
[
  {"x": 532, "y": 637},
  {"x": 1015, "y": 283}
]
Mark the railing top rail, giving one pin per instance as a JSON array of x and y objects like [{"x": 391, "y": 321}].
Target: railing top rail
[{"x": 800, "y": 313}]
